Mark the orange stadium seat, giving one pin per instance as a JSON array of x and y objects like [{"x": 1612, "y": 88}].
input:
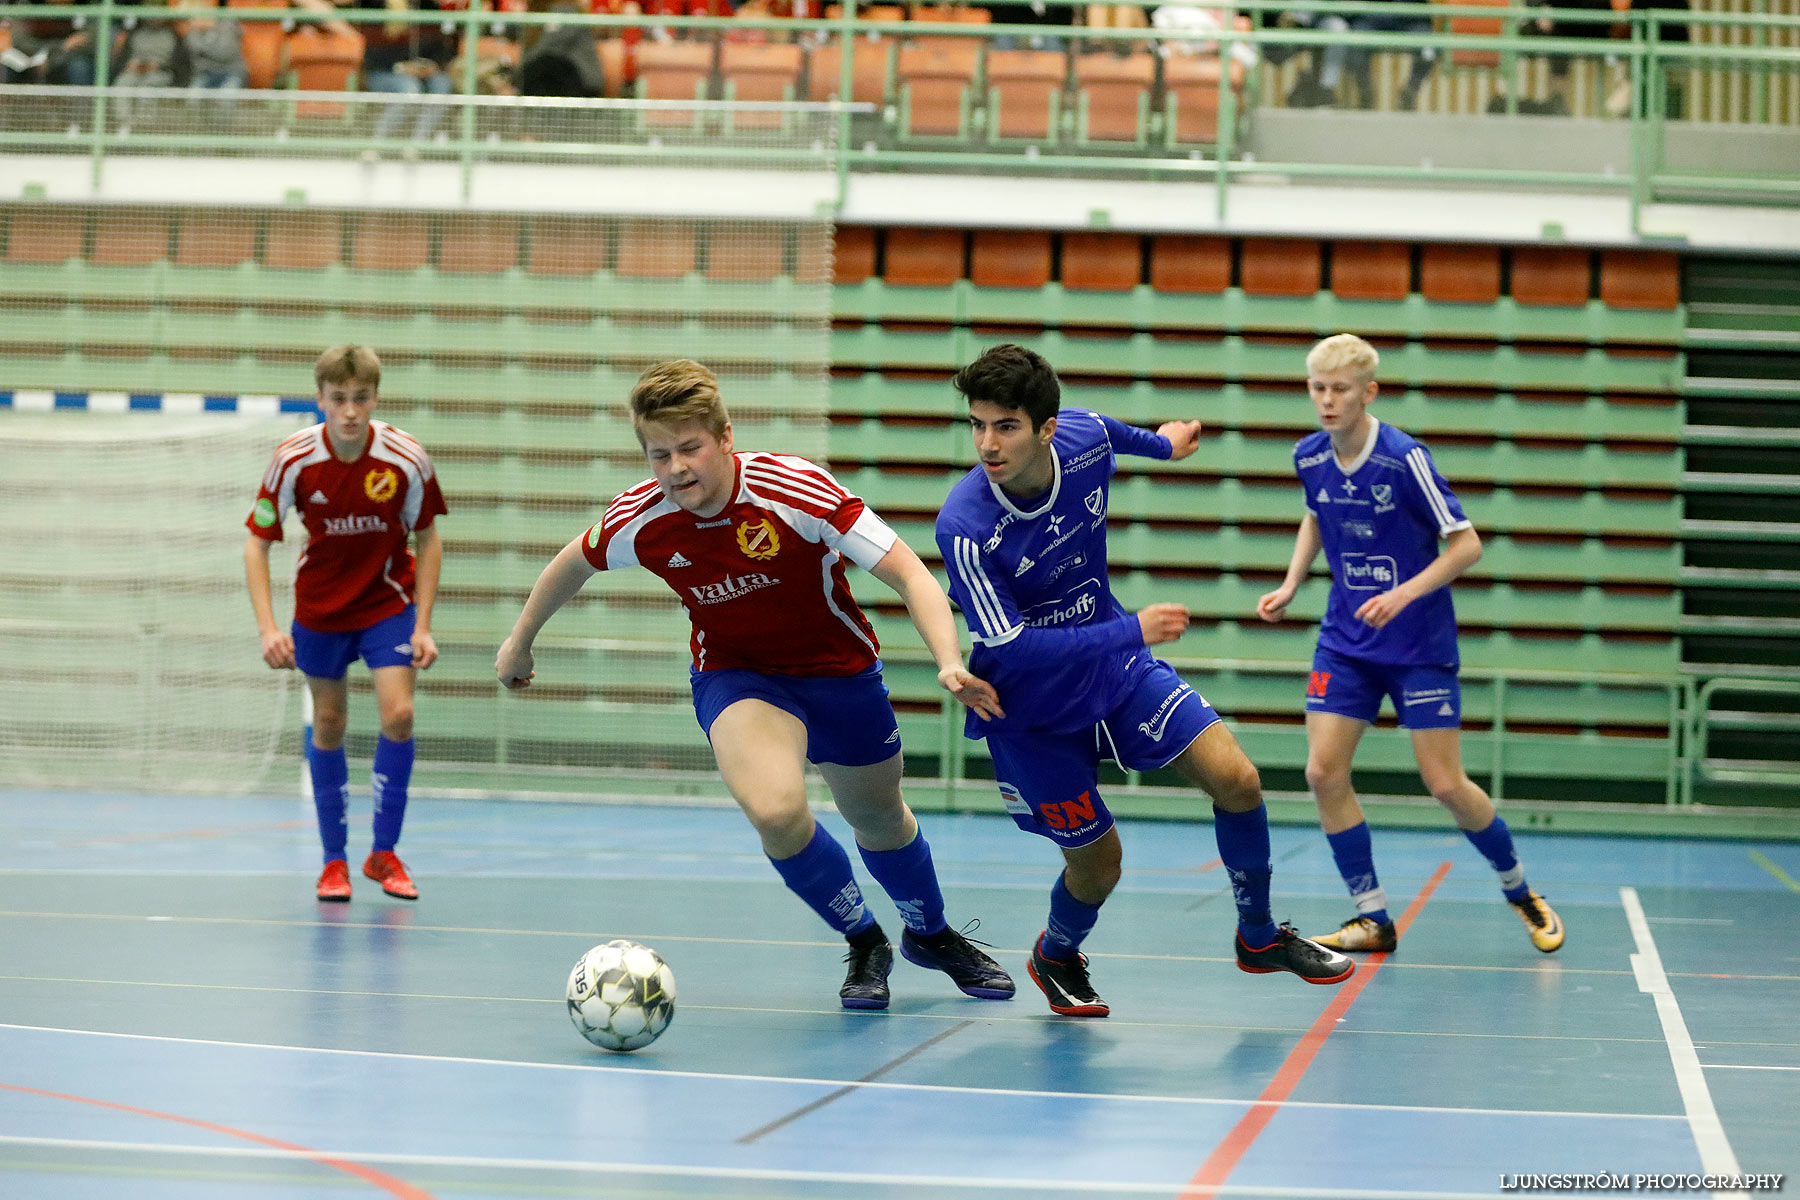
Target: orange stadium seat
[
  {"x": 1102, "y": 262},
  {"x": 1281, "y": 266},
  {"x": 1010, "y": 258},
  {"x": 934, "y": 82},
  {"x": 1460, "y": 274},
  {"x": 1371, "y": 270},
  {"x": 562, "y": 246},
  {"x": 1477, "y": 27},
  {"x": 1640, "y": 279},
  {"x": 262, "y": 43},
  {"x": 674, "y": 71},
  {"x": 215, "y": 238},
  {"x": 1117, "y": 94},
  {"x": 46, "y": 235},
  {"x": 1551, "y": 275},
  {"x": 855, "y": 257},
  {"x": 134, "y": 238},
  {"x": 745, "y": 252},
  {"x": 1191, "y": 86},
  {"x": 1190, "y": 263},
  {"x": 924, "y": 257},
  {"x": 1025, "y": 90},
  {"x": 323, "y": 61},
  {"x": 391, "y": 242},
  {"x": 657, "y": 249},
  {"x": 302, "y": 241},
  {"x": 868, "y": 72},
  {"x": 479, "y": 243},
  {"x": 760, "y": 71}
]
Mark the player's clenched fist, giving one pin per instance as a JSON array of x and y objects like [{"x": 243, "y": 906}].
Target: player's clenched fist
[
  {"x": 1184, "y": 437},
  {"x": 1162, "y": 622},
  {"x": 513, "y": 665},
  {"x": 1274, "y": 604},
  {"x": 278, "y": 648}
]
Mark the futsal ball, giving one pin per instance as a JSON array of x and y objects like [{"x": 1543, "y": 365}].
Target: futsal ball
[{"x": 621, "y": 995}]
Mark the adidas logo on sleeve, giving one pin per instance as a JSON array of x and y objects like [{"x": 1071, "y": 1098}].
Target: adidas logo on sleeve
[{"x": 678, "y": 559}]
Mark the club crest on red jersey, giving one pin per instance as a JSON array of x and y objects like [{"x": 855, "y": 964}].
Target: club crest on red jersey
[
  {"x": 758, "y": 539},
  {"x": 380, "y": 484}
]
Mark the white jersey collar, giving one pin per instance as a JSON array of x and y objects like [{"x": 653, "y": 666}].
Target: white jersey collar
[
  {"x": 1050, "y": 503},
  {"x": 1362, "y": 456}
]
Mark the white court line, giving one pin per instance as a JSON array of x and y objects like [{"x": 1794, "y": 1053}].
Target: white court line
[
  {"x": 1032, "y": 1018},
  {"x": 683, "y": 938},
  {"x": 1709, "y": 1133},
  {"x": 874, "y": 1085},
  {"x": 933, "y": 1182}
]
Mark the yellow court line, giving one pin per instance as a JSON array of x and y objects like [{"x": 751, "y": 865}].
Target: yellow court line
[{"x": 1772, "y": 867}]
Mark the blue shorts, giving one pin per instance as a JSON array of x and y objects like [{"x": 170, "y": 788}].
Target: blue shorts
[
  {"x": 1425, "y": 697},
  {"x": 386, "y": 643},
  {"x": 1050, "y": 781},
  {"x": 848, "y": 719}
]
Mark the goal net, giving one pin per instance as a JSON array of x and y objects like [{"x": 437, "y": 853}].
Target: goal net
[{"x": 122, "y": 605}]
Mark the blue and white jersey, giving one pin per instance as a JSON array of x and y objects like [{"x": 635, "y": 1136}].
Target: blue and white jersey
[
  {"x": 1380, "y": 518},
  {"x": 1030, "y": 578}
]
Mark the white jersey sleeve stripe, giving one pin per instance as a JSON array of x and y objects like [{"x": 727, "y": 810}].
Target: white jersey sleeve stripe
[
  {"x": 799, "y": 487},
  {"x": 868, "y": 541},
  {"x": 989, "y": 611},
  {"x": 1415, "y": 459}
]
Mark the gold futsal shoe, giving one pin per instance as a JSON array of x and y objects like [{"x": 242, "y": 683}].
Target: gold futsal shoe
[
  {"x": 1362, "y": 933},
  {"x": 1541, "y": 922}
]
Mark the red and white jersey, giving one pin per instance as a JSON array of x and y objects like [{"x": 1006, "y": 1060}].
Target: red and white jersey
[
  {"x": 763, "y": 580},
  {"x": 356, "y": 568}
]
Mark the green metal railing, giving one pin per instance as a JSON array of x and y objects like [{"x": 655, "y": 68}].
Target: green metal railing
[{"x": 1649, "y": 56}]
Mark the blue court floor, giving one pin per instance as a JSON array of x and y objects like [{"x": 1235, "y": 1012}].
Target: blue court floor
[{"x": 179, "y": 1018}]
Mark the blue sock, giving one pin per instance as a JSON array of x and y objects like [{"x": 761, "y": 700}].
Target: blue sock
[
  {"x": 1355, "y": 857},
  {"x": 1071, "y": 920},
  {"x": 1244, "y": 849},
  {"x": 1496, "y": 845},
  {"x": 331, "y": 796},
  {"x": 393, "y": 772},
  {"x": 820, "y": 875},
  {"x": 910, "y": 880}
]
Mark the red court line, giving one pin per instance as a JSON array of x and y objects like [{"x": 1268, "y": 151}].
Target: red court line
[
  {"x": 1229, "y": 1152},
  {"x": 387, "y": 1183}
]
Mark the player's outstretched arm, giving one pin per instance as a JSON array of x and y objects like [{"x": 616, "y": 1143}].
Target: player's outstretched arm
[
  {"x": 929, "y": 609},
  {"x": 1462, "y": 550},
  {"x": 277, "y": 643},
  {"x": 1307, "y": 545},
  {"x": 429, "y": 568},
  {"x": 554, "y": 588}
]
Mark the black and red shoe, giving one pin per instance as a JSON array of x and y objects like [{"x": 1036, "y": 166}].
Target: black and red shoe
[
  {"x": 1065, "y": 984},
  {"x": 1291, "y": 952}
]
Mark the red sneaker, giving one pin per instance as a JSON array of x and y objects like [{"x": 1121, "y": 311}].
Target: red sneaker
[
  {"x": 387, "y": 870},
  {"x": 334, "y": 881}
]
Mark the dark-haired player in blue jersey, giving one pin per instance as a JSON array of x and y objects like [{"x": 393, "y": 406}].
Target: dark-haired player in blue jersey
[
  {"x": 1024, "y": 541},
  {"x": 1377, "y": 506}
]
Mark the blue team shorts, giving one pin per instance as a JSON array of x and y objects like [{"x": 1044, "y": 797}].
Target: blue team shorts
[
  {"x": 1050, "y": 781},
  {"x": 848, "y": 718},
  {"x": 386, "y": 643},
  {"x": 1425, "y": 697}
]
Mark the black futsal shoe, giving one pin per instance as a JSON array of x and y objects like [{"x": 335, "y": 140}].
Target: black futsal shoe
[
  {"x": 956, "y": 956},
  {"x": 866, "y": 982},
  {"x": 1291, "y": 952},
  {"x": 1065, "y": 984}
]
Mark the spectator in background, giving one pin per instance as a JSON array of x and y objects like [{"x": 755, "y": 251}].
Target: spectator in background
[
  {"x": 1034, "y": 13},
  {"x": 1115, "y": 16},
  {"x": 1191, "y": 19},
  {"x": 1360, "y": 60},
  {"x": 407, "y": 58},
  {"x": 57, "y": 50},
  {"x": 153, "y": 54},
  {"x": 561, "y": 60},
  {"x": 216, "y": 47}
]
